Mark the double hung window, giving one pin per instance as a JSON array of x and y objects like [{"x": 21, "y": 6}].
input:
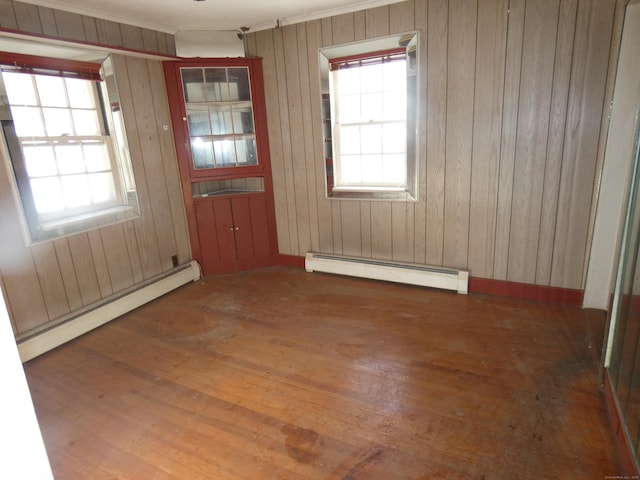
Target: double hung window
[
  {"x": 371, "y": 118},
  {"x": 66, "y": 145}
]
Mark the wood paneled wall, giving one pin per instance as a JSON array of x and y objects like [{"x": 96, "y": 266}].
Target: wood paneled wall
[
  {"x": 51, "y": 281},
  {"x": 511, "y": 100}
]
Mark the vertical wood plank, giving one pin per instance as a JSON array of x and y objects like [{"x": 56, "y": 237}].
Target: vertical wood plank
[
  {"x": 85, "y": 269},
  {"x": 365, "y": 229},
  {"x": 555, "y": 143},
  {"x": 311, "y": 122},
  {"x": 266, "y": 50},
  {"x": 533, "y": 127},
  {"x": 50, "y": 279},
  {"x": 287, "y": 179},
  {"x": 377, "y": 21},
  {"x": 109, "y": 32},
  {"x": 350, "y": 226},
  {"x": 48, "y": 21},
  {"x": 586, "y": 101},
  {"x": 402, "y": 231},
  {"x": 438, "y": 14},
  {"x": 420, "y": 229},
  {"x": 460, "y": 100},
  {"x": 100, "y": 261},
  {"x": 359, "y": 25},
  {"x": 149, "y": 40},
  {"x": 342, "y": 29},
  {"x": 133, "y": 252},
  {"x": 27, "y": 17},
  {"x": 336, "y": 226},
  {"x": 131, "y": 37},
  {"x": 116, "y": 257},
  {"x": 381, "y": 238},
  {"x": 513, "y": 65},
  {"x": 487, "y": 123},
  {"x": 68, "y": 272},
  {"x": 297, "y": 135},
  {"x": 402, "y": 16},
  {"x": 90, "y": 29},
  {"x": 7, "y": 15},
  {"x": 69, "y": 25}
]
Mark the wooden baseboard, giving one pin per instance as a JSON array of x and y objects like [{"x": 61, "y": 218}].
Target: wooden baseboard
[
  {"x": 628, "y": 464},
  {"x": 526, "y": 291},
  {"x": 489, "y": 286}
]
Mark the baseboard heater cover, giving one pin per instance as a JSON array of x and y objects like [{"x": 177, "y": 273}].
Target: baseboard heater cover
[
  {"x": 46, "y": 340},
  {"x": 400, "y": 272}
]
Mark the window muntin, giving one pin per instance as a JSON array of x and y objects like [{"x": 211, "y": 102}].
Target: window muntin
[
  {"x": 370, "y": 120},
  {"x": 219, "y": 117},
  {"x": 71, "y": 172}
]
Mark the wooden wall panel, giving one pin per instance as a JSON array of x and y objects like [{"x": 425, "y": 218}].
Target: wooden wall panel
[
  {"x": 51, "y": 281},
  {"x": 510, "y": 107},
  {"x": 487, "y": 133}
]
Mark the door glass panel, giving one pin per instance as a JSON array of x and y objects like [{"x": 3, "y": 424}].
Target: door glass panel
[{"x": 220, "y": 117}]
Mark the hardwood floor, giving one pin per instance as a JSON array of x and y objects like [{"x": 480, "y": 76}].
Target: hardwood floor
[{"x": 281, "y": 374}]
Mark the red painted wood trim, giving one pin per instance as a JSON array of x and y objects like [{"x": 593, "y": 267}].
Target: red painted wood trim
[
  {"x": 292, "y": 261},
  {"x": 628, "y": 464},
  {"x": 526, "y": 291}
]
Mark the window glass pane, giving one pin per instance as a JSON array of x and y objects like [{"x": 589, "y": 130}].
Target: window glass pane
[
  {"x": 76, "y": 191},
  {"x": 394, "y": 74},
  {"x": 51, "y": 90},
  {"x": 198, "y": 120},
  {"x": 27, "y": 121},
  {"x": 39, "y": 160},
  {"x": 394, "y": 138},
  {"x": 86, "y": 122},
  {"x": 246, "y": 151},
  {"x": 350, "y": 169},
  {"x": 47, "y": 194},
  {"x": 221, "y": 121},
  {"x": 239, "y": 88},
  {"x": 193, "y": 84},
  {"x": 96, "y": 157},
  {"x": 395, "y": 169},
  {"x": 57, "y": 122},
  {"x": 19, "y": 89},
  {"x": 349, "y": 140},
  {"x": 242, "y": 119},
  {"x": 217, "y": 86},
  {"x": 202, "y": 150},
  {"x": 81, "y": 93},
  {"x": 225, "y": 153},
  {"x": 70, "y": 159},
  {"x": 395, "y": 105},
  {"x": 348, "y": 81},
  {"x": 102, "y": 187},
  {"x": 371, "y": 110},
  {"x": 349, "y": 109},
  {"x": 372, "y": 171},
  {"x": 371, "y": 138},
  {"x": 371, "y": 78}
]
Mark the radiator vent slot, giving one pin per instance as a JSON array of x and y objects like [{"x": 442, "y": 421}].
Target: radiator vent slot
[{"x": 399, "y": 272}]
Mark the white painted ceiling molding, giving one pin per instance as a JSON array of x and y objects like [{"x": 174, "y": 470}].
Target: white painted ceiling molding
[{"x": 210, "y": 15}]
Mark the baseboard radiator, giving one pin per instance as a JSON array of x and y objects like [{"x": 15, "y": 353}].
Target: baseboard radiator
[
  {"x": 409, "y": 273},
  {"x": 43, "y": 341}
]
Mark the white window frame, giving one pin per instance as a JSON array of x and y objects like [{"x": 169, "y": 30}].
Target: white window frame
[{"x": 374, "y": 50}]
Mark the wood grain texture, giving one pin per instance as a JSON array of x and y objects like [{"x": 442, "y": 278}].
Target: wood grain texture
[
  {"x": 487, "y": 133},
  {"x": 8, "y": 15},
  {"x": 459, "y": 135},
  {"x": 69, "y": 25},
  {"x": 318, "y": 376},
  {"x": 50, "y": 279},
  {"x": 27, "y": 18}
]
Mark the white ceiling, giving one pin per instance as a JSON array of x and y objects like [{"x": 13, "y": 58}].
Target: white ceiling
[{"x": 216, "y": 15}]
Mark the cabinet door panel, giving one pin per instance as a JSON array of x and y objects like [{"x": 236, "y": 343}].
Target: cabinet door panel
[
  {"x": 207, "y": 234},
  {"x": 260, "y": 226},
  {"x": 242, "y": 222},
  {"x": 225, "y": 228}
]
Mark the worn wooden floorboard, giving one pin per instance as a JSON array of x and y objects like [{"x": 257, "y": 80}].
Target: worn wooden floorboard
[{"x": 281, "y": 374}]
